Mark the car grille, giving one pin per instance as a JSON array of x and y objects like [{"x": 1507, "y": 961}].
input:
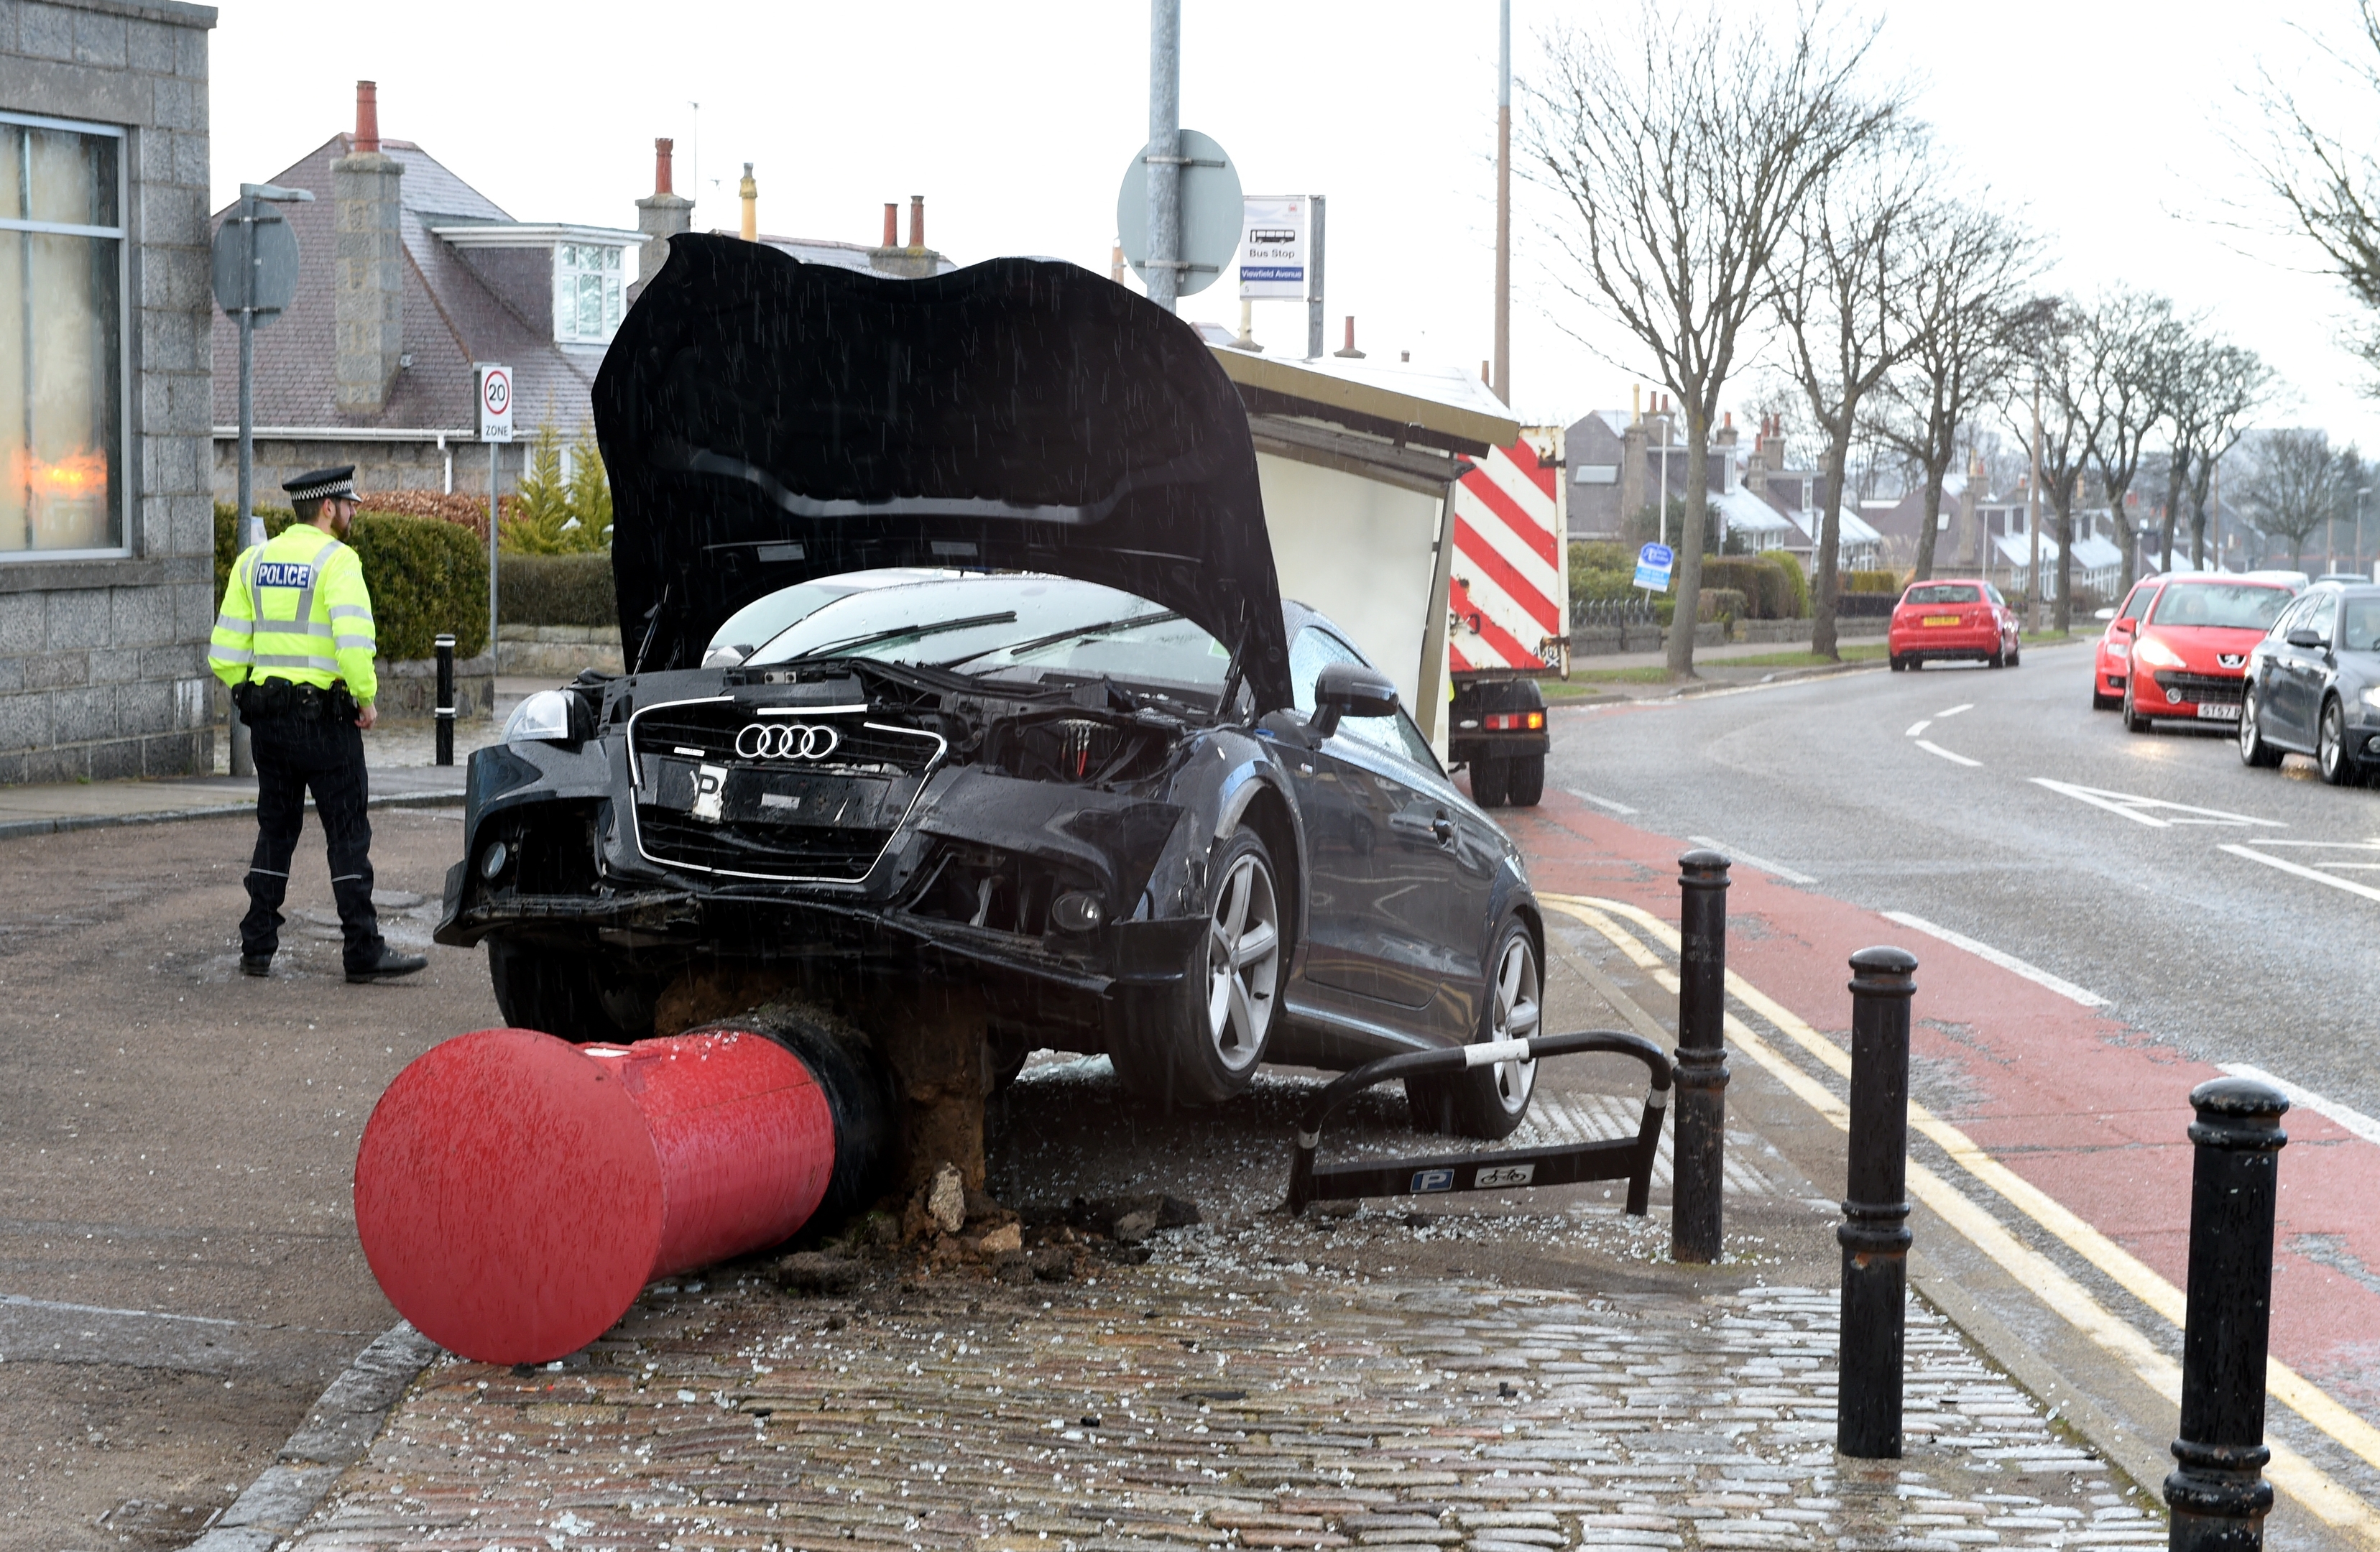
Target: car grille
[
  {"x": 2205, "y": 689},
  {"x": 779, "y": 817}
]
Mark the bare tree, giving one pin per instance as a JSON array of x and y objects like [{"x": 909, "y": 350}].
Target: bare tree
[
  {"x": 2053, "y": 425},
  {"x": 2129, "y": 349},
  {"x": 1976, "y": 265},
  {"x": 1842, "y": 288},
  {"x": 2327, "y": 184},
  {"x": 2293, "y": 485},
  {"x": 2217, "y": 386},
  {"x": 1680, "y": 152}
]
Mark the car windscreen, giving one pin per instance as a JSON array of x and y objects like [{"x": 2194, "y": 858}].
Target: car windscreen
[
  {"x": 1944, "y": 592},
  {"x": 769, "y": 615},
  {"x": 2236, "y": 605},
  {"x": 1010, "y": 627},
  {"x": 2359, "y": 626}
]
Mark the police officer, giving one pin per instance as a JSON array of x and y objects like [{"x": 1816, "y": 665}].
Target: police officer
[{"x": 295, "y": 643}]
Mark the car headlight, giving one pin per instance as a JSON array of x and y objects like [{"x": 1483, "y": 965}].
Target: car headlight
[
  {"x": 2372, "y": 698},
  {"x": 2149, "y": 650},
  {"x": 548, "y": 716},
  {"x": 2118, "y": 649}
]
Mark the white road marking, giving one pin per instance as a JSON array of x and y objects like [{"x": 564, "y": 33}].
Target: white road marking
[
  {"x": 2136, "y": 808},
  {"x": 1933, "y": 749},
  {"x": 2317, "y": 874},
  {"x": 1600, "y": 802},
  {"x": 1750, "y": 861},
  {"x": 1916, "y": 727},
  {"x": 2033, "y": 972},
  {"x": 1968, "y": 706},
  {"x": 2356, "y": 1121}
]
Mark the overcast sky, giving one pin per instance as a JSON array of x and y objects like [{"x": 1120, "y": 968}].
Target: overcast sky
[{"x": 2105, "y": 125}]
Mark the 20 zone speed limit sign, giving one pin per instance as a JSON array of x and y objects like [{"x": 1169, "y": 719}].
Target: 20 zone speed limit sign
[{"x": 496, "y": 403}]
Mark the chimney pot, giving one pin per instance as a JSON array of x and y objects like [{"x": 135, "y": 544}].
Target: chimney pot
[
  {"x": 366, "y": 117},
  {"x": 1350, "y": 349},
  {"x": 1483, "y": 373},
  {"x": 661, "y": 149},
  {"x": 892, "y": 223},
  {"x": 916, "y": 221},
  {"x": 750, "y": 191}
]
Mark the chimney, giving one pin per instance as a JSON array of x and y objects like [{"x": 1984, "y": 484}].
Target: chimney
[
  {"x": 916, "y": 262},
  {"x": 1349, "y": 349},
  {"x": 750, "y": 192},
  {"x": 368, "y": 265},
  {"x": 916, "y": 222},
  {"x": 892, "y": 225},
  {"x": 660, "y": 218}
]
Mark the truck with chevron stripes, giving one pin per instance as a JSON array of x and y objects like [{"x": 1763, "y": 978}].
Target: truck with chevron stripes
[{"x": 1507, "y": 607}]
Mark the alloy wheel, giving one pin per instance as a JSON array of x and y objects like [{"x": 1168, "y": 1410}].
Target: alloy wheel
[
  {"x": 1243, "y": 963},
  {"x": 1514, "y": 1015},
  {"x": 2330, "y": 747}
]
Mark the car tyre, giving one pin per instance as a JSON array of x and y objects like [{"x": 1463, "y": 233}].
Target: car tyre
[
  {"x": 2339, "y": 767},
  {"x": 2133, "y": 720},
  {"x": 2254, "y": 750},
  {"x": 1492, "y": 781},
  {"x": 1491, "y": 1101},
  {"x": 1527, "y": 781},
  {"x": 1998, "y": 659},
  {"x": 2105, "y": 702},
  {"x": 1202, "y": 1042},
  {"x": 560, "y": 993},
  {"x": 2016, "y": 655},
  {"x": 1900, "y": 663}
]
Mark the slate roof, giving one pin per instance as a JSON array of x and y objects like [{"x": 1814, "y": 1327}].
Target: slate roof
[{"x": 452, "y": 319}]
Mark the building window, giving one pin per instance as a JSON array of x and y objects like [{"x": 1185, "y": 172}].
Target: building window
[
  {"x": 62, "y": 376},
  {"x": 586, "y": 294}
]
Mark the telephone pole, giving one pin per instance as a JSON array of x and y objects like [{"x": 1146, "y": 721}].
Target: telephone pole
[{"x": 1503, "y": 383}]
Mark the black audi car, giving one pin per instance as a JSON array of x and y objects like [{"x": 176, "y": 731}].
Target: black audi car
[
  {"x": 2313, "y": 684},
  {"x": 1080, "y": 757}
]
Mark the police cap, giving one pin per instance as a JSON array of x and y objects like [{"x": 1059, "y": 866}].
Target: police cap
[{"x": 317, "y": 484}]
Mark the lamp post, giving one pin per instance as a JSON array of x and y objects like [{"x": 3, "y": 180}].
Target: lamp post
[{"x": 2356, "y": 543}]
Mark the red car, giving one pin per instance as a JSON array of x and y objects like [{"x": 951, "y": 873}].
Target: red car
[
  {"x": 1953, "y": 617},
  {"x": 2190, "y": 656},
  {"x": 2112, "y": 662}
]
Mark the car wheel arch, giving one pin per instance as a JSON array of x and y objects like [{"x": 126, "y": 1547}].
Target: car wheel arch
[{"x": 1264, "y": 806}]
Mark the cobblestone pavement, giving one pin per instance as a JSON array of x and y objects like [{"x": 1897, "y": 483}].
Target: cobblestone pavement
[{"x": 1221, "y": 1395}]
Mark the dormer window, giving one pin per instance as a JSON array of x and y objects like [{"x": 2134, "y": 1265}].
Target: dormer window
[{"x": 588, "y": 293}]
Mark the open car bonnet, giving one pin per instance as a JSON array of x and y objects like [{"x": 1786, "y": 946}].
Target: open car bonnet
[{"x": 766, "y": 421}]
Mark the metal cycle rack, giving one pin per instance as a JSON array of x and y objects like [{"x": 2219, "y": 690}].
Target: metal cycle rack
[{"x": 1628, "y": 1159}]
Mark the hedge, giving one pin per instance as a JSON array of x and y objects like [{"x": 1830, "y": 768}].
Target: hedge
[
  {"x": 1871, "y": 582},
  {"x": 426, "y": 576},
  {"x": 556, "y": 591}
]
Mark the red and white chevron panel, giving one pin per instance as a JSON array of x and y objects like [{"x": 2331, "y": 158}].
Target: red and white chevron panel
[{"x": 1508, "y": 592}]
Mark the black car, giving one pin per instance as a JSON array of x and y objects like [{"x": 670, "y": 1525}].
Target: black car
[
  {"x": 2313, "y": 684},
  {"x": 1083, "y": 762}
]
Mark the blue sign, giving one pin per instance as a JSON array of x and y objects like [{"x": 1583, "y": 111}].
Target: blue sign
[
  {"x": 1653, "y": 563},
  {"x": 1426, "y": 1181}
]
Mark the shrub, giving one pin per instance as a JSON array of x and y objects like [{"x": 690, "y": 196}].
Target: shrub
[
  {"x": 556, "y": 515},
  {"x": 1794, "y": 594},
  {"x": 1720, "y": 603},
  {"x": 1762, "y": 587},
  {"x": 1601, "y": 571},
  {"x": 467, "y": 511},
  {"x": 1871, "y": 582},
  {"x": 556, "y": 591},
  {"x": 426, "y": 576}
]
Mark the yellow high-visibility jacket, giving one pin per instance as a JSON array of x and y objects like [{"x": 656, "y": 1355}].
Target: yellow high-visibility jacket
[{"x": 296, "y": 609}]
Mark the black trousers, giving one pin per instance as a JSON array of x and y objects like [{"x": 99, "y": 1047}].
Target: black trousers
[{"x": 327, "y": 756}]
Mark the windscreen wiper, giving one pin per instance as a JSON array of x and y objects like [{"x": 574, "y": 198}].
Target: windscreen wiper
[
  {"x": 898, "y": 633},
  {"x": 1020, "y": 649}
]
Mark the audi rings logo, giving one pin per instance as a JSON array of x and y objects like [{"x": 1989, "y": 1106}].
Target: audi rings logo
[{"x": 800, "y": 741}]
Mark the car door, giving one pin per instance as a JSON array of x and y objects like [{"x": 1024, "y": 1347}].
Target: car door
[
  {"x": 1342, "y": 832},
  {"x": 2126, "y": 624},
  {"x": 2300, "y": 671}
]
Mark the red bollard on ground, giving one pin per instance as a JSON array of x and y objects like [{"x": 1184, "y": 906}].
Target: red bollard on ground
[{"x": 514, "y": 1192}]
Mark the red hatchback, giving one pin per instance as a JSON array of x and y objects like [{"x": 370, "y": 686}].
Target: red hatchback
[
  {"x": 2190, "y": 659},
  {"x": 1953, "y": 617}
]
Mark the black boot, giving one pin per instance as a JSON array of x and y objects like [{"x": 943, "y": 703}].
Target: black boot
[
  {"x": 389, "y": 965},
  {"x": 256, "y": 964}
]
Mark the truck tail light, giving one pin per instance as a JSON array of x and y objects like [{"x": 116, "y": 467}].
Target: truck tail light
[{"x": 1514, "y": 721}]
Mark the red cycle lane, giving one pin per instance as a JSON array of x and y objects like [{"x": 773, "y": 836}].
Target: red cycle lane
[{"x": 2089, "y": 1110}]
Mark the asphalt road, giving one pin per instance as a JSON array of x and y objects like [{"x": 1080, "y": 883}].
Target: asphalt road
[
  {"x": 2152, "y": 869},
  {"x": 179, "y": 1276}
]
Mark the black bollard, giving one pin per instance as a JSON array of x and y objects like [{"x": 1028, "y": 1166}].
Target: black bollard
[
  {"x": 1695, "y": 1219},
  {"x": 2219, "y": 1498},
  {"x": 1875, "y": 1231},
  {"x": 446, "y": 699}
]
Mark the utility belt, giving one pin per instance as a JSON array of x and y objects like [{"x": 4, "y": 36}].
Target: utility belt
[{"x": 284, "y": 700}]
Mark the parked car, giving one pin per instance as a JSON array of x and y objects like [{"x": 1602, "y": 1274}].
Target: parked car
[
  {"x": 1107, "y": 786},
  {"x": 2111, "y": 660},
  {"x": 2313, "y": 684},
  {"x": 1952, "y": 618},
  {"x": 2190, "y": 656}
]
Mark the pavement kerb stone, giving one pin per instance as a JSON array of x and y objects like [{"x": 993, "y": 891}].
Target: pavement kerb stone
[
  {"x": 14, "y": 828},
  {"x": 335, "y": 1434}
]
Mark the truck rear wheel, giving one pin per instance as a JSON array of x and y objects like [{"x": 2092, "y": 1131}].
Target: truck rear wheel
[
  {"x": 1492, "y": 781},
  {"x": 1527, "y": 781}
]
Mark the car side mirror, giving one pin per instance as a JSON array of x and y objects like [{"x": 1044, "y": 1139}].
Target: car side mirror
[
  {"x": 2128, "y": 626},
  {"x": 2105, "y": 614},
  {"x": 2305, "y": 636},
  {"x": 1346, "y": 689}
]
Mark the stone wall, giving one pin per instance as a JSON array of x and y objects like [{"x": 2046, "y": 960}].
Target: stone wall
[
  {"x": 102, "y": 668},
  {"x": 380, "y": 466}
]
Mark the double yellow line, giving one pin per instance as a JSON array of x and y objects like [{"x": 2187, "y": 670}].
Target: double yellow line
[{"x": 2288, "y": 1471}]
